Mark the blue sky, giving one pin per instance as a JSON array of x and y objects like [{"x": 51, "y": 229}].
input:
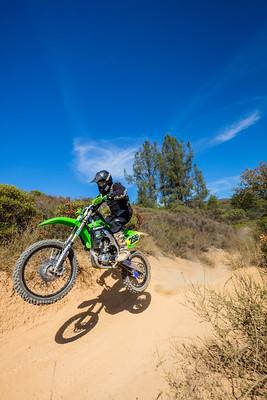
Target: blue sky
[{"x": 84, "y": 83}]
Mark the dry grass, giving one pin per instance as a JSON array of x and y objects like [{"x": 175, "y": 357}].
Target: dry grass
[
  {"x": 206, "y": 260},
  {"x": 184, "y": 233},
  {"x": 232, "y": 364},
  {"x": 148, "y": 246},
  {"x": 11, "y": 250},
  {"x": 247, "y": 251}
]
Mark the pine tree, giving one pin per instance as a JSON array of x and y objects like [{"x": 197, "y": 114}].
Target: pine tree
[
  {"x": 167, "y": 175},
  {"x": 175, "y": 164},
  {"x": 200, "y": 191},
  {"x": 145, "y": 174}
]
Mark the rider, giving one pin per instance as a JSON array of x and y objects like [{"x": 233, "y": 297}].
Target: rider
[{"x": 121, "y": 211}]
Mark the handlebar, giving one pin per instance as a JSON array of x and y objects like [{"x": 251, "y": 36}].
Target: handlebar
[{"x": 96, "y": 203}]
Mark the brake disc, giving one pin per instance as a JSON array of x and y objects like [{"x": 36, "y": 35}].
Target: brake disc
[{"x": 46, "y": 270}]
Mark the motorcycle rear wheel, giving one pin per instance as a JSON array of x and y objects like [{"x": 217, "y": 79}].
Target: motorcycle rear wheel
[
  {"x": 32, "y": 270},
  {"x": 139, "y": 283}
]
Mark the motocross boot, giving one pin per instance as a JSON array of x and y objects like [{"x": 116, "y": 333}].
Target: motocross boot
[{"x": 123, "y": 251}]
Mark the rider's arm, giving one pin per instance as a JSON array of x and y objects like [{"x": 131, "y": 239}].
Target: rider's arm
[
  {"x": 118, "y": 192},
  {"x": 96, "y": 203}
]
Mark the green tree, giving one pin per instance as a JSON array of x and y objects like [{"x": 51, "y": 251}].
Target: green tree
[
  {"x": 167, "y": 175},
  {"x": 251, "y": 194},
  {"x": 145, "y": 174},
  {"x": 175, "y": 165},
  {"x": 180, "y": 182},
  {"x": 213, "y": 202},
  {"x": 200, "y": 191},
  {"x": 214, "y": 208}
]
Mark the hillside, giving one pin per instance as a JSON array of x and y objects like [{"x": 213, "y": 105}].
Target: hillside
[{"x": 100, "y": 342}]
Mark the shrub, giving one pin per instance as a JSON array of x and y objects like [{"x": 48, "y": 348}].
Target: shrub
[
  {"x": 10, "y": 250},
  {"x": 261, "y": 235},
  {"x": 251, "y": 195},
  {"x": 263, "y": 244},
  {"x": 262, "y": 224},
  {"x": 233, "y": 363},
  {"x": 47, "y": 204},
  {"x": 234, "y": 215},
  {"x": 16, "y": 210},
  {"x": 70, "y": 207},
  {"x": 246, "y": 253},
  {"x": 227, "y": 215},
  {"x": 185, "y": 233}
]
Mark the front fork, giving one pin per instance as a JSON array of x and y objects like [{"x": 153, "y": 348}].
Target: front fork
[{"x": 58, "y": 268}]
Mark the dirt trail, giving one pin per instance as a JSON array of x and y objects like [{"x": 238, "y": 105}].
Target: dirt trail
[{"x": 101, "y": 343}]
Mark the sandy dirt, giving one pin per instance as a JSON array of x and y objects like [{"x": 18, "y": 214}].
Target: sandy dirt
[{"x": 101, "y": 343}]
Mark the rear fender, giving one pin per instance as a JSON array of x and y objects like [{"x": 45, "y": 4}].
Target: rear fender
[
  {"x": 132, "y": 237},
  {"x": 73, "y": 223}
]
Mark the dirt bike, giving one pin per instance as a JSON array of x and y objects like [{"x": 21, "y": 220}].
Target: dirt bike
[{"x": 46, "y": 271}]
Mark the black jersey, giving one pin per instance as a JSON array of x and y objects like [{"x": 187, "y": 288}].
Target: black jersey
[{"x": 118, "y": 200}]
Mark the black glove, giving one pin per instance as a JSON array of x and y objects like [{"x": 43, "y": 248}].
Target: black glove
[
  {"x": 109, "y": 196},
  {"x": 93, "y": 207}
]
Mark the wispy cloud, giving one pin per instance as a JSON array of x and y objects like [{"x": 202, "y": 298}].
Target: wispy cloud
[
  {"x": 231, "y": 131},
  {"x": 90, "y": 157},
  {"x": 224, "y": 186},
  {"x": 227, "y": 133}
]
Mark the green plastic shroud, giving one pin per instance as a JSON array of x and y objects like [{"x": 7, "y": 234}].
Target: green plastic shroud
[
  {"x": 131, "y": 237},
  {"x": 84, "y": 234}
]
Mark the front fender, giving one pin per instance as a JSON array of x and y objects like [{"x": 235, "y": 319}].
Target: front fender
[{"x": 84, "y": 234}]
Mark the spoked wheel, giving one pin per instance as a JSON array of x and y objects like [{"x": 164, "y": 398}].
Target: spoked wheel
[
  {"x": 136, "y": 281},
  {"x": 34, "y": 278}
]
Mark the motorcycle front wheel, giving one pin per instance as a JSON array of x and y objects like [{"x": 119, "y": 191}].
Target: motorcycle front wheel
[{"x": 33, "y": 275}]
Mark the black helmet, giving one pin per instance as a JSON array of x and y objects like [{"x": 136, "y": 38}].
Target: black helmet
[{"x": 103, "y": 180}]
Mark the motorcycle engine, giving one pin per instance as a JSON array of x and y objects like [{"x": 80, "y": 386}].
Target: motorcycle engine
[{"x": 105, "y": 250}]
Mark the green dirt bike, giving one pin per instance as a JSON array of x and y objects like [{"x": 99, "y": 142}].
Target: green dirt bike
[{"x": 46, "y": 271}]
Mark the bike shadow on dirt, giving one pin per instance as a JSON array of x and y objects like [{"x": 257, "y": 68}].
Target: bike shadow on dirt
[{"x": 111, "y": 299}]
